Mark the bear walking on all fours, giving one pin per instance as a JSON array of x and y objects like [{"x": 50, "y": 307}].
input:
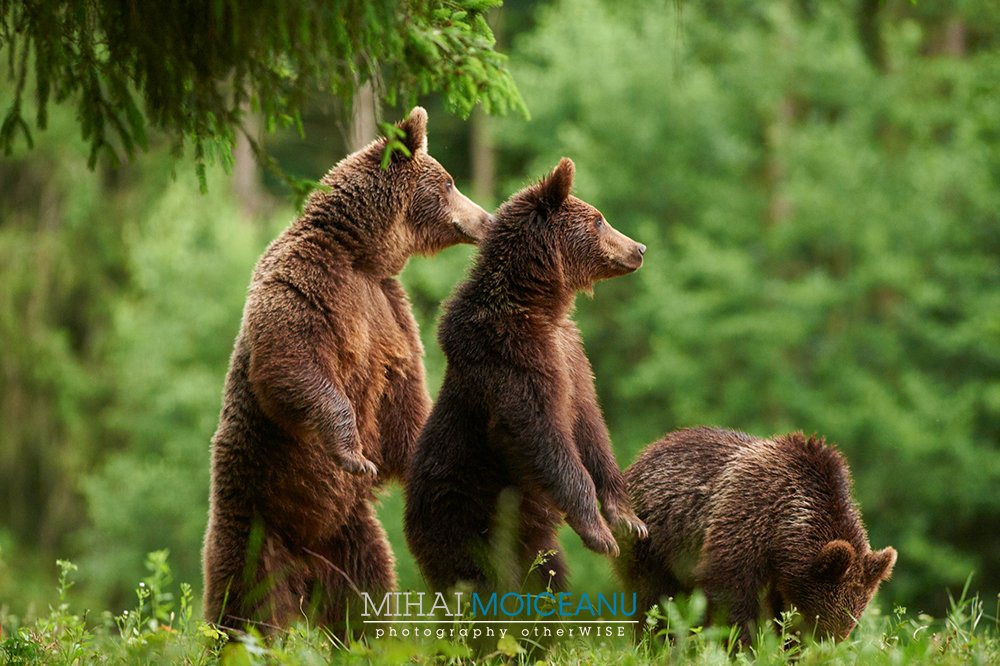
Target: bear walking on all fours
[
  {"x": 517, "y": 410},
  {"x": 325, "y": 395},
  {"x": 752, "y": 520}
]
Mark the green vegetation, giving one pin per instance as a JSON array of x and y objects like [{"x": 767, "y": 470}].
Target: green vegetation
[
  {"x": 824, "y": 245},
  {"x": 817, "y": 185},
  {"x": 160, "y": 626},
  {"x": 194, "y": 69}
]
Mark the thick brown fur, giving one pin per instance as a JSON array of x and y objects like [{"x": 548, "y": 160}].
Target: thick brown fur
[
  {"x": 518, "y": 410},
  {"x": 752, "y": 520},
  {"x": 325, "y": 395}
]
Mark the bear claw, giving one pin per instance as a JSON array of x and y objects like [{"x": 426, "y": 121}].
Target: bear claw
[
  {"x": 600, "y": 540},
  {"x": 636, "y": 526},
  {"x": 626, "y": 519},
  {"x": 357, "y": 464}
]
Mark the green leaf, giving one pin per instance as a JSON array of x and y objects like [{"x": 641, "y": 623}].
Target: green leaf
[
  {"x": 508, "y": 646},
  {"x": 235, "y": 654}
]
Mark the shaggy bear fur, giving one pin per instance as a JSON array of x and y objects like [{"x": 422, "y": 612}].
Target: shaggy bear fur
[
  {"x": 753, "y": 522},
  {"x": 517, "y": 410},
  {"x": 325, "y": 395}
]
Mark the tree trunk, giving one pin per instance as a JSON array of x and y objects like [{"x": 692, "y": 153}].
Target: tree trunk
[
  {"x": 483, "y": 158},
  {"x": 362, "y": 129},
  {"x": 246, "y": 182},
  {"x": 953, "y": 42},
  {"x": 779, "y": 207},
  {"x": 482, "y": 149}
]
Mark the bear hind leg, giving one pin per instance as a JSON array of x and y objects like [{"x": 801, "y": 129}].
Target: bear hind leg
[
  {"x": 251, "y": 579},
  {"x": 646, "y": 574},
  {"x": 449, "y": 533},
  {"x": 539, "y": 547},
  {"x": 355, "y": 562}
]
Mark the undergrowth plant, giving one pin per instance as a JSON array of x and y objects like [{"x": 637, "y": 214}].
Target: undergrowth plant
[{"x": 163, "y": 627}]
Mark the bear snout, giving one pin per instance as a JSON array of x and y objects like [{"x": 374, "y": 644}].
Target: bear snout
[
  {"x": 468, "y": 217},
  {"x": 638, "y": 253},
  {"x": 632, "y": 259},
  {"x": 625, "y": 254}
]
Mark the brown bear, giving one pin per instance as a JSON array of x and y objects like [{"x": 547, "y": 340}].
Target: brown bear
[
  {"x": 753, "y": 522},
  {"x": 517, "y": 409},
  {"x": 325, "y": 395}
]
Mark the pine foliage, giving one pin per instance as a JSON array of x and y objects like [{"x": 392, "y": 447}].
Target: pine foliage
[{"x": 193, "y": 69}]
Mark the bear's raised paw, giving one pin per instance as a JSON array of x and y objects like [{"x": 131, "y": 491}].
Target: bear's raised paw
[
  {"x": 357, "y": 464},
  {"x": 598, "y": 537}
]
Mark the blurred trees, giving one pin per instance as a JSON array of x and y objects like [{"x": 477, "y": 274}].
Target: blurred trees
[
  {"x": 170, "y": 338},
  {"x": 817, "y": 185},
  {"x": 120, "y": 295},
  {"x": 53, "y": 314},
  {"x": 824, "y": 241}
]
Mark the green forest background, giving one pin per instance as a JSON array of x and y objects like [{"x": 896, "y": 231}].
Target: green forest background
[{"x": 822, "y": 209}]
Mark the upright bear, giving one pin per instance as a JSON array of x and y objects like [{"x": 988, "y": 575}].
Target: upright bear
[
  {"x": 752, "y": 520},
  {"x": 325, "y": 395},
  {"x": 518, "y": 409}
]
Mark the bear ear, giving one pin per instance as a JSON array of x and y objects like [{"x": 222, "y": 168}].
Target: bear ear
[
  {"x": 555, "y": 188},
  {"x": 879, "y": 564},
  {"x": 415, "y": 127},
  {"x": 834, "y": 559}
]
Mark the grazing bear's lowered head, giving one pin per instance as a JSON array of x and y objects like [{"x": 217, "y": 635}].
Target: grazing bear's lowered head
[
  {"x": 760, "y": 524},
  {"x": 385, "y": 215},
  {"x": 834, "y": 589},
  {"x": 552, "y": 240}
]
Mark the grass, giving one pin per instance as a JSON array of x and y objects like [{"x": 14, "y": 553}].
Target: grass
[{"x": 162, "y": 627}]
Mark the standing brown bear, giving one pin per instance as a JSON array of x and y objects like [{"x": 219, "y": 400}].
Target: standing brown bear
[
  {"x": 752, "y": 520},
  {"x": 325, "y": 395},
  {"x": 518, "y": 409}
]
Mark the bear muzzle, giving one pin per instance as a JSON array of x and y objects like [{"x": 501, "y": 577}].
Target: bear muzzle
[
  {"x": 468, "y": 217},
  {"x": 625, "y": 253}
]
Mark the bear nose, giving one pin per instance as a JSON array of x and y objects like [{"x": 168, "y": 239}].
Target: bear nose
[{"x": 642, "y": 249}]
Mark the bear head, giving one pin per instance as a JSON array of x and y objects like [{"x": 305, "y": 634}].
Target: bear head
[
  {"x": 383, "y": 212},
  {"x": 438, "y": 214},
  {"x": 552, "y": 239},
  {"x": 840, "y": 584}
]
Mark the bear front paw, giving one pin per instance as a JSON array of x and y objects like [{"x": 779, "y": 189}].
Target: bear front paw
[
  {"x": 625, "y": 518},
  {"x": 598, "y": 537},
  {"x": 356, "y": 463},
  {"x": 637, "y": 526},
  {"x": 634, "y": 525}
]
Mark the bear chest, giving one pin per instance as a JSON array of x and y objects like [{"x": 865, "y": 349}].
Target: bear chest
[
  {"x": 571, "y": 371},
  {"x": 372, "y": 347}
]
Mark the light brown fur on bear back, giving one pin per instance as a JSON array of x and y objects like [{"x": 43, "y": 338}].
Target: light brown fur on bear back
[{"x": 743, "y": 518}]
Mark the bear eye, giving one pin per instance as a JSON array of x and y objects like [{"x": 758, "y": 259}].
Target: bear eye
[
  {"x": 449, "y": 185},
  {"x": 599, "y": 221}
]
